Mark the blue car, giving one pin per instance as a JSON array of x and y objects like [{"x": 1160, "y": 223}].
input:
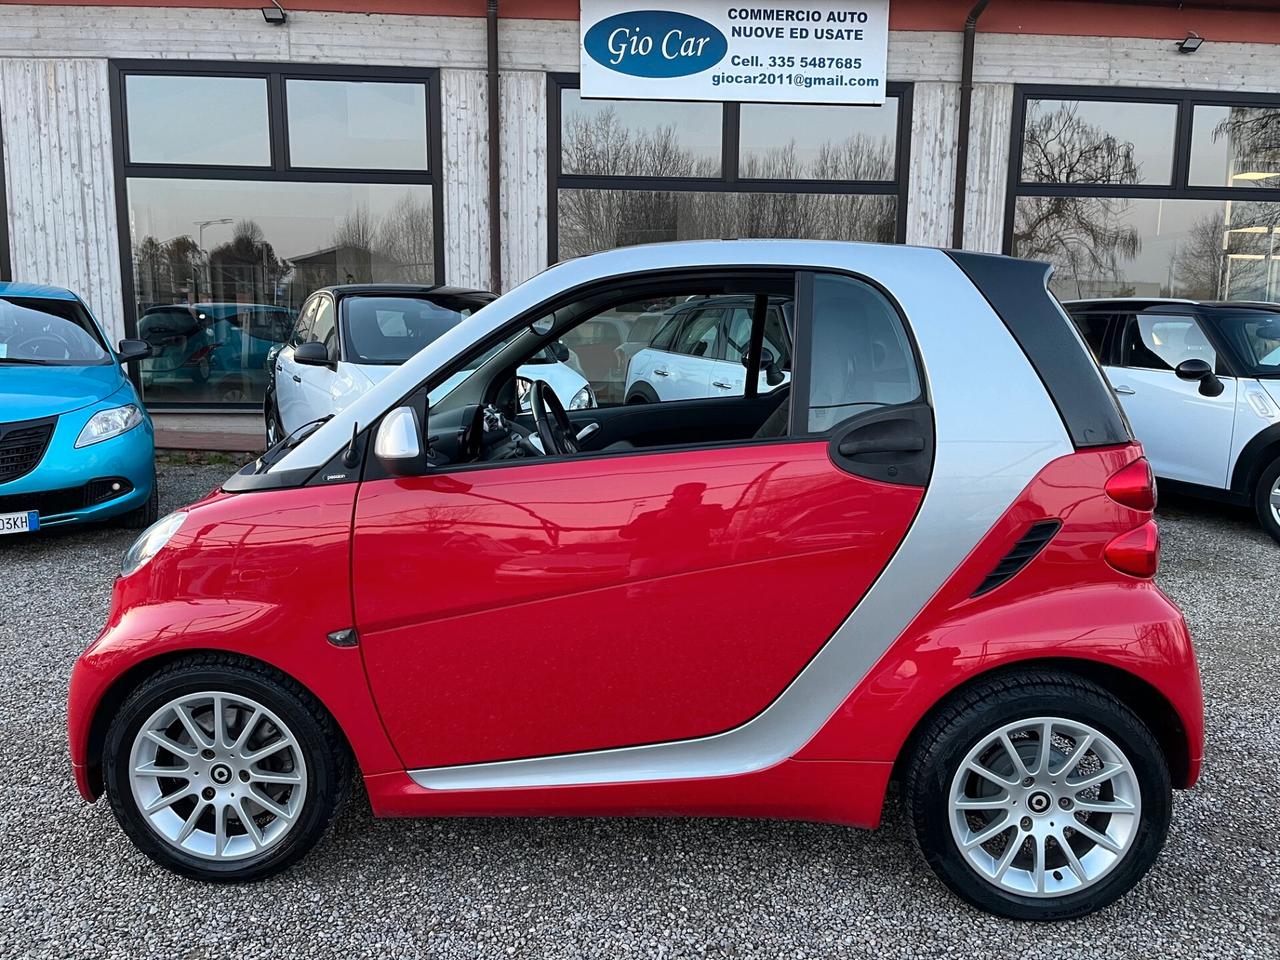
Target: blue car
[{"x": 76, "y": 444}]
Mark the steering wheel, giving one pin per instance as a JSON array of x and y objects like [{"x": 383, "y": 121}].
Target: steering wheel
[
  {"x": 35, "y": 346},
  {"x": 554, "y": 429}
]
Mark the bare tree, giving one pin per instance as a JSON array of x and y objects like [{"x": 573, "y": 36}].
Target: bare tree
[
  {"x": 1084, "y": 237},
  {"x": 405, "y": 240}
]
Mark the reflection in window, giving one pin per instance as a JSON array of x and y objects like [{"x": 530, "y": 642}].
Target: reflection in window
[
  {"x": 1084, "y": 141},
  {"x": 1156, "y": 342},
  {"x": 789, "y": 142},
  {"x": 197, "y": 120},
  {"x": 638, "y": 138},
  {"x": 1235, "y": 146},
  {"x": 594, "y": 220},
  {"x": 357, "y": 124},
  {"x": 1198, "y": 249},
  {"x": 221, "y": 268}
]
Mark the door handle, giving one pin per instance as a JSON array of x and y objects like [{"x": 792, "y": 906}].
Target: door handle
[
  {"x": 1125, "y": 391},
  {"x": 722, "y": 385},
  {"x": 856, "y": 448},
  {"x": 296, "y": 378},
  {"x": 660, "y": 373}
]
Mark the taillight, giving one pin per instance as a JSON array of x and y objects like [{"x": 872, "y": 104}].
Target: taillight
[
  {"x": 1134, "y": 486},
  {"x": 1137, "y": 552}
]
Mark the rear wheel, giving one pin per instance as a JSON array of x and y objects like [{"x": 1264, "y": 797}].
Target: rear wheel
[
  {"x": 275, "y": 429},
  {"x": 1038, "y": 797},
  {"x": 1266, "y": 499},
  {"x": 225, "y": 771}
]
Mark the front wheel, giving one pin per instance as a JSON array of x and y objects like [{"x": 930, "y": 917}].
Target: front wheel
[
  {"x": 1266, "y": 499},
  {"x": 222, "y": 770},
  {"x": 1038, "y": 797}
]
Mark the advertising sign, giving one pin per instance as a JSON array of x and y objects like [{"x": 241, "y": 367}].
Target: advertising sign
[{"x": 788, "y": 51}]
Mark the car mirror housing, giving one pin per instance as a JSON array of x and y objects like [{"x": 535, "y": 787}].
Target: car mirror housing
[
  {"x": 312, "y": 355},
  {"x": 131, "y": 351},
  {"x": 397, "y": 446},
  {"x": 1197, "y": 369}
]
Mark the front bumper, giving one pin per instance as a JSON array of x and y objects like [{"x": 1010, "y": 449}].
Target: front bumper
[{"x": 83, "y": 484}]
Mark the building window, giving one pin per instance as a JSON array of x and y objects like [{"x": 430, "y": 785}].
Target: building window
[
  {"x": 243, "y": 188},
  {"x": 633, "y": 171},
  {"x": 1147, "y": 193}
]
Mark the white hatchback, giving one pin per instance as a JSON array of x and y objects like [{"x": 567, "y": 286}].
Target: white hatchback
[
  {"x": 699, "y": 349},
  {"x": 349, "y": 338},
  {"x": 1200, "y": 383}
]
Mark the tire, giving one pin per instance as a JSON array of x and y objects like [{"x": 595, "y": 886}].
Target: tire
[
  {"x": 642, "y": 393},
  {"x": 145, "y": 515},
  {"x": 962, "y": 731},
  {"x": 311, "y": 770},
  {"x": 1268, "y": 510},
  {"x": 274, "y": 428}
]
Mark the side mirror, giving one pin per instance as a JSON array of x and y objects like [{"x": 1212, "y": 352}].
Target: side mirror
[
  {"x": 131, "y": 351},
  {"x": 398, "y": 444},
  {"x": 1197, "y": 369},
  {"x": 768, "y": 363},
  {"x": 312, "y": 355},
  {"x": 559, "y": 350}
]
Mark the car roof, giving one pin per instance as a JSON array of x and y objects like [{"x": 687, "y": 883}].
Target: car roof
[
  {"x": 35, "y": 291},
  {"x": 403, "y": 289}
]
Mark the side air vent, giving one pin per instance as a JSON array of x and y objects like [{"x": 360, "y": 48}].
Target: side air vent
[{"x": 1023, "y": 552}]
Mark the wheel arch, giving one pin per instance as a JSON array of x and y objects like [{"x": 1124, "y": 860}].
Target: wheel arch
[
  {"x": 1259, "y": 453},
  {"x": 642, "y": 390},
  {"x": 1152, "y": 707},
  {"x": 128, "y": 681}
]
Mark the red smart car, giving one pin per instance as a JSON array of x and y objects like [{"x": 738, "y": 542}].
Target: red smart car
[{"x": 913, "y": 541}]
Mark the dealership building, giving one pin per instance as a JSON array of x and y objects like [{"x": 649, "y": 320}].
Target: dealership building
[{"x": 222, "y": 159}]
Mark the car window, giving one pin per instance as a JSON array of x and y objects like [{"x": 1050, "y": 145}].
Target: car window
[
  {"x": 392, "y": 329},
  {"x": 860, "y": 357},
  {"x": 667, "y": 334},
  {"x": 737, "y": 334},
  {"x": 1093, "y": 330},
  {"x": 776, "y": 340},
  {"x": 324, "y": 328},
  {"x": 698, "y": 335},
  {"x": 36, "y": 331},
  {"x": 305, "y": 319},
  {"x": 1153, "y": 341}
]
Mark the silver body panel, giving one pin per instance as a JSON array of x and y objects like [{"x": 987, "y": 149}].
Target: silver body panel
[{"x": 987, "y": 450}]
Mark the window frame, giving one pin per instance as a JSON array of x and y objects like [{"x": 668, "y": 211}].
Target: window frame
[
  {"x": 1179, "y": 187},
  {"x": 280, "y": 170},
  {"x": 6, "y": 255},
  {"x": 728, "y": 181}
]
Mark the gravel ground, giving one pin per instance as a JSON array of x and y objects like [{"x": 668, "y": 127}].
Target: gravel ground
[{"x": 72, "y": 885}]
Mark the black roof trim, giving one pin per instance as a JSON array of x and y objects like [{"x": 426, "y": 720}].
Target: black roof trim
[
  {"x": 420, "y": 289},
  {"x": 1018, "y": 292}
]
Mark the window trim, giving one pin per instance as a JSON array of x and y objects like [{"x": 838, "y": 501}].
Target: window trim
[
  {"x": 276, "y": 75},
  {"x": 728, "y": 181},
  {"x": 1178, "y": 189},
  {"x": 6, "y": 255}
]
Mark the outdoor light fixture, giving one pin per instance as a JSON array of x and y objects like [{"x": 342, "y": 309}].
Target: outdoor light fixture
[
  {"x": 274, "y": 14},
  {"x": 1190, "y": 45}
]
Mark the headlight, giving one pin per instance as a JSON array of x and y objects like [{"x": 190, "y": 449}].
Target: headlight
[
  {"x": 151, "y": 542},
  {"x": 106, "y": 424},
  {"x": 584, "y": 399}
]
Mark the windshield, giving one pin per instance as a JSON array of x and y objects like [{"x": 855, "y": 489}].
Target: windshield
[
  {"x": 392, "y": 329},
  {"x": 54, "y": 333},
  {"x": 1255, "y": 337}
]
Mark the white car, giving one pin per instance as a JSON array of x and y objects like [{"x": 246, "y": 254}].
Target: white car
[
  {"x": 349, "y": 338},
  {"x": 1200, "y": 383},
  {"x": 701, "y": 348}
]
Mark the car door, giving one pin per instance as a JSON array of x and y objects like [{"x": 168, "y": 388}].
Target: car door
[
  {"x": 542, "y": 606},
  {"x": 288, "y": 373},
  {"x": 1185, "y": 433},
  {"x": 728, "y": 375},
  {"x": 685, "y": 372}
]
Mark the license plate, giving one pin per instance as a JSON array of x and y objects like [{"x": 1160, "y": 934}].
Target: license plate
[{"x": 19, "y": 522}]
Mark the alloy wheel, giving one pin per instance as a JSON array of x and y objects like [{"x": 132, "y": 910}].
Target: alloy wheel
[
  {"x": 218, "y": 776},
  {"x": 1275, "y": 500},
  {"x": 1044, "y": 807}
]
